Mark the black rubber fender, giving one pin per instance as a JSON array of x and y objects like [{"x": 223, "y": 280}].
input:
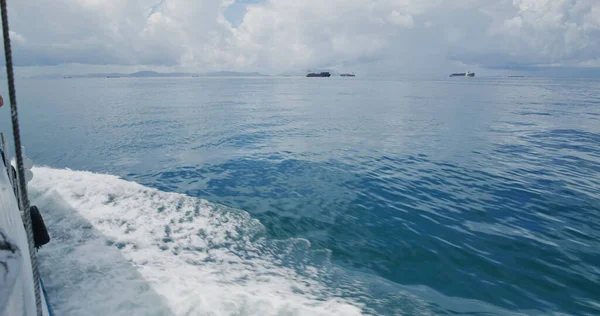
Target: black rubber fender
[
  {"x": 3, "y": 157},
  {"x": 40, "y": 232}
]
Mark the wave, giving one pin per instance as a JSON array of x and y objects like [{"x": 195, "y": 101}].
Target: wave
[{"x": 121, "y": 248}]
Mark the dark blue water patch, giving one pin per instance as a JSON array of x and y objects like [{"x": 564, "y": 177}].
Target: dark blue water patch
[
  {"x": 246, "y": 139},
  {"x": 517, "y": 124},
  {"x": 148, "y": 123},
  {"x": 568, "y": 141},
  {"x": 534, "y": 113}
]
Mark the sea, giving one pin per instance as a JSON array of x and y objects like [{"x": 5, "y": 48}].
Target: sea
[{"x": 316, "y": 196}]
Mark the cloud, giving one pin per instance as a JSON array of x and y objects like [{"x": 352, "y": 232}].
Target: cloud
[
  {"x": 401, "y": 19},
  {"x": 562, "y": 32},
  {"x": 284, "y": 34},
  {"x": 278, "y": 35},
  {"x": 114, "y": 32}
]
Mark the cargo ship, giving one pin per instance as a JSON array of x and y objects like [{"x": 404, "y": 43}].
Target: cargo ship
[
  {"x": 463, "y": 74},
  {"x": 321, "y": 74}
]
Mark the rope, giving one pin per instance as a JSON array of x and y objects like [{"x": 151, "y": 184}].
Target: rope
[
  {"x": 50, "y": 312},
  {"x": 19, "y": 157}
]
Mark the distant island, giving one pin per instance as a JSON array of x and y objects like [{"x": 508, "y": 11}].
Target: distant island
[
  {"x": 151, "y": 74},
  {"x": 303, "y": 74}
]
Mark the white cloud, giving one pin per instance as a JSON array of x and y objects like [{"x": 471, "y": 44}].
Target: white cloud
[
  {"x": 16, "y": 38},
  {"x": 563, "y": 32},
  {"x": 314, "y": 33},
  {"x": 401, "y": 19},
  {"x": 277, "y": 35}
]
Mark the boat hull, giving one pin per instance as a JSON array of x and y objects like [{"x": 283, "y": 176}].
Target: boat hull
[
  {"x": 322, "y": 74},
  {"x": 17, "y": 296}
]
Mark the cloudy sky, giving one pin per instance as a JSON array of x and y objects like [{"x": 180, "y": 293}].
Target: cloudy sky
[{"x": 273, "y": 36}]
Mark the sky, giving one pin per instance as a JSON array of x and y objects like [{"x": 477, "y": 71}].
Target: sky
[{"x": 273, "y": 36}]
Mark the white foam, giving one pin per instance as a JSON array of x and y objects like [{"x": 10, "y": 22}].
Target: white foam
[{"x": 153, "y": 252}]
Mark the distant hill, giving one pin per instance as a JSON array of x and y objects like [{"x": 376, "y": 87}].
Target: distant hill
[
  {"x": 141, "y": 74},
  {"x": 233, "y": 74},
  {"x": 293, "y": 74},
  {"x": 152, "y": 74}
]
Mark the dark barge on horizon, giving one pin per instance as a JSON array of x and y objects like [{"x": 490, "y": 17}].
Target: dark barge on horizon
[
  {"x": 463, "y": 74},
  {"x": 322, "y": 74}
]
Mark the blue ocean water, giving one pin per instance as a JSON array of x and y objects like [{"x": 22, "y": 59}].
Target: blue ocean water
[{"x": 417, "y": 195}]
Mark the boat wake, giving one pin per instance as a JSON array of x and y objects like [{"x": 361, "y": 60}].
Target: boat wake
[{"x": 120, "y": 248}]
